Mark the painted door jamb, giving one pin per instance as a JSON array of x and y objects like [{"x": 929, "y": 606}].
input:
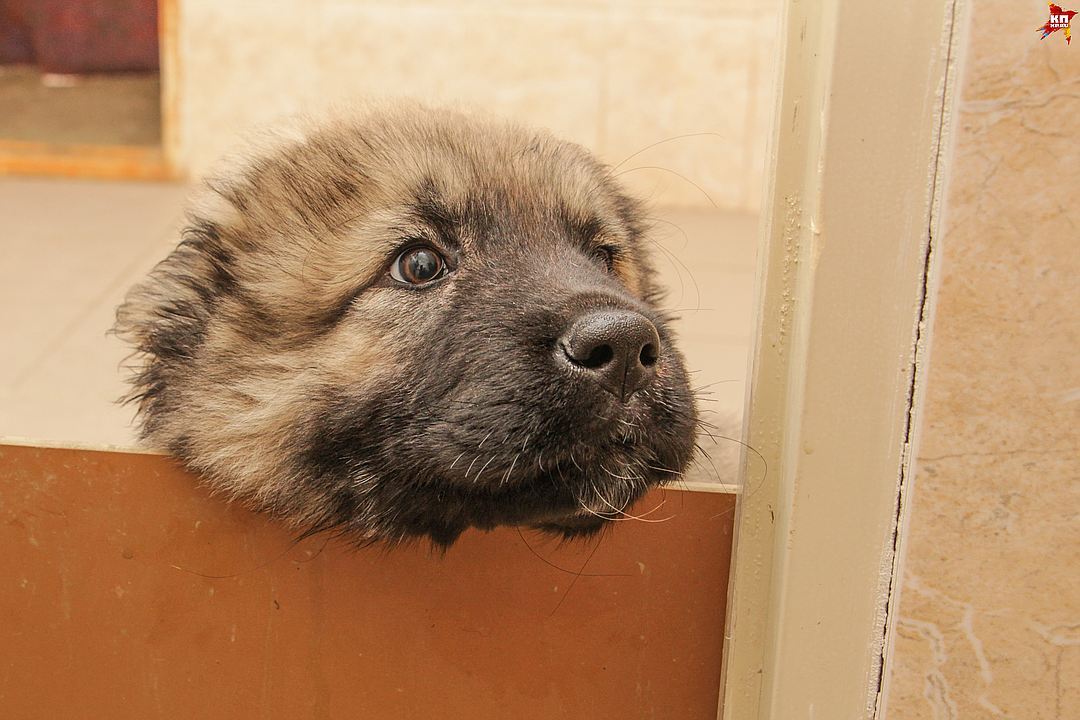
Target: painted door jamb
[{"x": 846, "y": 279}]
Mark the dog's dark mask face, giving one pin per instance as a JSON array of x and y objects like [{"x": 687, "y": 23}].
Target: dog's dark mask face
[{"x": 433, "y": 327}]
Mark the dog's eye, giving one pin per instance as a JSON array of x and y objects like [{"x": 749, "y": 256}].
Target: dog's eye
[{"x": 417, "y": 266}]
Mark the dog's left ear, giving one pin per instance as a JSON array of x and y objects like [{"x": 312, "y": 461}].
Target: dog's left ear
[{"x": 165, "y": 316}]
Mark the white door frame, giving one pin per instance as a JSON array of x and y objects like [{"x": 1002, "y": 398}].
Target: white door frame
[{"x": 846, "y": 278}]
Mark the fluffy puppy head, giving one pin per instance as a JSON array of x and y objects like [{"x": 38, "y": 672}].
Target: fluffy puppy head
[{"x": 409, "y": 322}]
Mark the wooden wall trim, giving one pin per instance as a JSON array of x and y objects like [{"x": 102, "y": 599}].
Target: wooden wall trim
[{"x": 112, "y": 162}]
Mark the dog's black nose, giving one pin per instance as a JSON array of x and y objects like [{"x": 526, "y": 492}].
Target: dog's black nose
[{"x": 617, "y": 348}]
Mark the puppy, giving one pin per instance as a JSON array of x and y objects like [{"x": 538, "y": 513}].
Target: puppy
[{"x": 407, "y": 322}]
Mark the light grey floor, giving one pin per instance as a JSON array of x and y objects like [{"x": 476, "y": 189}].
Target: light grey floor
[{"x": 70, "y": 249}]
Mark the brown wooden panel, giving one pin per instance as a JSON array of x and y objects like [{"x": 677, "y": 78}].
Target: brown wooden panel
[
  {"x": 127, "y": 592},
  {"x": 97, "y": 161}
]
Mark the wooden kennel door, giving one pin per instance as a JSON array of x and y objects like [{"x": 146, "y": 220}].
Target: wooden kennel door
[{"x": 129, "y": 593}]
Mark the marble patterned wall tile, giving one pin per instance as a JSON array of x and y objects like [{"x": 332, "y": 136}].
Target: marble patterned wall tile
[
  {"x": 695, "y": 7},
  {"x": 243, "y": 63},
  {"x": 615, "y": 75},
  {"x": 764, "y": 84},
  {"x": 989, "y": 613},
  {"x": 538, "y": 66},
  {"x": 670, "y": 76}
]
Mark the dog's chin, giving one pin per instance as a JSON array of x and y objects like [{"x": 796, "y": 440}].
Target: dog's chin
[
  {"x": 568, "y": 508},
  {"x": 575, "y": 507},
  {"x": 595, "y": 508}
]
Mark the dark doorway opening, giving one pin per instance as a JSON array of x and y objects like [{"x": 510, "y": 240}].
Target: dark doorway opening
[{"x": 79, "y": 80}]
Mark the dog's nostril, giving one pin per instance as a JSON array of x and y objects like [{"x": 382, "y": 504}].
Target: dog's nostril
[
  {"x": 601, "y": 355},
  {"x": 648, "y": 355}
]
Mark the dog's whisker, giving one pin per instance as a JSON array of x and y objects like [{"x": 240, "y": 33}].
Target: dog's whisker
[
  {"x": 669, "y": 471},
  {"x": 589, "y": 510},
  {"x": 627, "y": 516},
  {"x": 509, "y": 470},
  {"x": 477, "y": 478},
  {"x": 469, "y": 470},
  {"x": 620, "y": 477},
  {"x": 706, "y": 195},
  {"x": 642, "y": 517},
  {"x": 675, "y": 259},
  {"x": 673, "y": 138}
]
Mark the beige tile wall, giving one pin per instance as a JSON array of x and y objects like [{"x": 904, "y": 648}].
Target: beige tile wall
[
  {"x": 989, "y": 612},
  {"x": 615, "y": 75}
]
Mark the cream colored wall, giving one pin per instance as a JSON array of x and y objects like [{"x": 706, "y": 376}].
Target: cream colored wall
[
  {"x": 989, "y": 611},
  {"x": 614, "y": 75}
]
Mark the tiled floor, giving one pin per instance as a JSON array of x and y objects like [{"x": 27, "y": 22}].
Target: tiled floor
[{"x": 70, "y": 249}]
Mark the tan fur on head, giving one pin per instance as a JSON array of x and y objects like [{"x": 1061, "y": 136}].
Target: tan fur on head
[{"x": 277, "y": 358}]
